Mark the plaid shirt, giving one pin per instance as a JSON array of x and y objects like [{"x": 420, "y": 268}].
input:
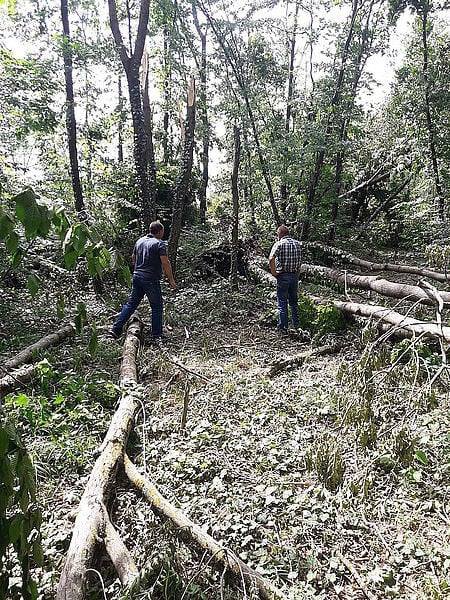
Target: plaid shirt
[{"x": 287, "y": 253}]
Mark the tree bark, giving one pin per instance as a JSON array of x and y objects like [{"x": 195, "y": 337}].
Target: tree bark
[
  {"x": 346, "y": 257},
  {"x": 235, "y": 198},
  {"x": 92, "y": 523},
  {"x": 146, "y": 178},
  {"x": 412, "y": 293},
  {"x": 287, "y": 121},
  {"x": 120, "y": 121},
  {"x": 28, "y": 353},
  {"x": 14, "y": 379},
  {"x": 380, "y": 314},
  {"x": 299, "y": 359},
  {"x": 184, "y": 179},
  {"x": 430, "y": 124},
  {"x": 187, "y": 530},
  {"x": 203, "y": 113},
  {"x": 71, "y": 124}
]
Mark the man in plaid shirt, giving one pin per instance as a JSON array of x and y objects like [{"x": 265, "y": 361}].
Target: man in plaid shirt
[{"x": 284, "y": 262}]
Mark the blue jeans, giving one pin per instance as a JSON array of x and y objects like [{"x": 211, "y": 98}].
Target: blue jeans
[
  {"x": 143, "y": 287},
  {"x": 287, "y": 291}
]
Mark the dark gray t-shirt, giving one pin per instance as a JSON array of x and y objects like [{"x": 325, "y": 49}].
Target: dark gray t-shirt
[{"x": 147, "y": 253}]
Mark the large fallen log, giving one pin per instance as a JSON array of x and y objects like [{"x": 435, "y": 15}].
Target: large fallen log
[
  {"x": 222, "y": 557},
  {"x": 15, "y": 379},
  {"x": 27, "y": 354},
  {"x": 380, "y": 314},
  {"x": 349, "y": 258},
  {"x": 374, "y": 283},
  {"x": 92, "y": 523}
]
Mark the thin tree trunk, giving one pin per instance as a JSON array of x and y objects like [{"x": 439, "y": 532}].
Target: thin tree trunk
[
  {"x": 203, "y": 112},
  {"x": 235, "y": 198},
  {"x": 148, "y": 124},
  {"x": 335, "y": 100},
  {"x": 287, "y": 122},
  {"x": 184, "y": 180},
  {"x": 167, "y": 82},
  {"x": 71, "y": 124},
  {"x": 131, "y": 63},
  {"x": 120, "y": 121},
  {"x": 430, "y": 124}
]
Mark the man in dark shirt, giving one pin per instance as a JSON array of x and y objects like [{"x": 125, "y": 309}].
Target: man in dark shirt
[
  {"x": 149, "y": 260},
  {"x": 285, "y": 262}
]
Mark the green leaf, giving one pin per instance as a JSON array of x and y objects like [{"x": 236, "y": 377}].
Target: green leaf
[
  {"x": 18, "y": 255},
  {"x": 22, "y": 400},
  {"x": 38, "y": 554},
  {"x": 6, "y": 224},
  {"x": 33, "y": 284},
  {"x": 12, "y": 242},
  {"x": 60, "y": 306},
  {"x": 15, "y": 528},
  {"x": 422, "y": 457},
  {"x": 4, "y": 442},
  {"x": 93, "y": 341},
  {"x": 28, "y": 212}
]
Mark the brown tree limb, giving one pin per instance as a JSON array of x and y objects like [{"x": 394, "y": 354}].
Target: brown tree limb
[
  {"x": 91, "y": 524},
  {"x": 299, "y": 359},
  {"x": 188, "y": 531},
  {"x": 27, "y": 354},
  {"x": 13, "y": 380}
]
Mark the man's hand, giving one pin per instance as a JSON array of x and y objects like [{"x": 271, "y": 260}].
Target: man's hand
[
  {"x": 272, "y": 266},
  {"x": 173, "y": 283}
]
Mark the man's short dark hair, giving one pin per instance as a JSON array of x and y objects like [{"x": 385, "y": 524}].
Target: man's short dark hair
[
  {"x": 156, "y": 227},
  {"x": 283, "y": 231}
]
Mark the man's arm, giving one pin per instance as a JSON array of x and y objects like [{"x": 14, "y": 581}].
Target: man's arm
[
  {"x": 167, "y": 268},
  {"x": 272, "y": 266}
]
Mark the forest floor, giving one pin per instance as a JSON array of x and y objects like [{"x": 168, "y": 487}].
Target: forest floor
[{"x": 330, "y": 479}]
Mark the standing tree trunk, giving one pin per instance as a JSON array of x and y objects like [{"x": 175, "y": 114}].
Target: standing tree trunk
[
  {"x": 167, "y": 83},
  {"x": 71, "y": 123},
  {"x": 335, "y": 100},
  {"x": 120, "y": 121},
  {"x": 287, "y": 123},
  {"x": 148, "y": 123},
  {"x": 235, "y": 197},
  {"x": 430, "y": 124},
  {"x": 203, "y": 112},
  {"x": 131, "y": 63},
  {"x": 184, "y": 179}
]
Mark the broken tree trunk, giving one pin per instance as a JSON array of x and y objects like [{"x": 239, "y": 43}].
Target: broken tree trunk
[
  {"x": 377, "y": 313},
  {"x": 15, "y": 379},
  {"x": 299, "y": 359},
  {"x": 374, "y": 283},
  {"x": 27, "y": 354},
  {"x": 346, "y": 257},
  {"x": 92, "y": 523},
  {"x": 187, "y": 530}
]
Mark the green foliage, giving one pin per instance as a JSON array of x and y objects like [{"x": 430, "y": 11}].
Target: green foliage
[
  {"x": 326, "y": 459},
  {"x": 307, "y": 311},
  {"x": 329, "y": 319},
  {"x": 20, "y": 518}
]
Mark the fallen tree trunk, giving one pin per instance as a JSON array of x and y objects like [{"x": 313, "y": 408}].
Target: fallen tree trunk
[
  {"x": 187, "y": 530},
  {"x": 374, "y": 283},
  {"x": 374, "y": 266},
  {"x": 299, "y": 359},
  {"x": 92, "y": 523},
  {"x": 27, "y": 354},
  {"x": 371, "y": 311},
  {"x": 15, "y": 379}
]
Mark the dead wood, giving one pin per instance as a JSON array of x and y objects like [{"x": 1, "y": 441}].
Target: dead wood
[
  {"x": 377, "y": 313},
  {"x": 349, "y": 258},
  {"x": 374, "y": 283},
  {"x": 15, "y": 379},
  {"x": 92, "y": 523},
  {"x": 188, "y": 531},
  {"x": 299, "y": 359},
  {"x": 27, "y": 354}
]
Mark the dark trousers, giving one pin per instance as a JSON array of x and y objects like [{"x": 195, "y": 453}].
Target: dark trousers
[
  {"x": 287, "y": 292},
  {"x": 143, "y": 287}
]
